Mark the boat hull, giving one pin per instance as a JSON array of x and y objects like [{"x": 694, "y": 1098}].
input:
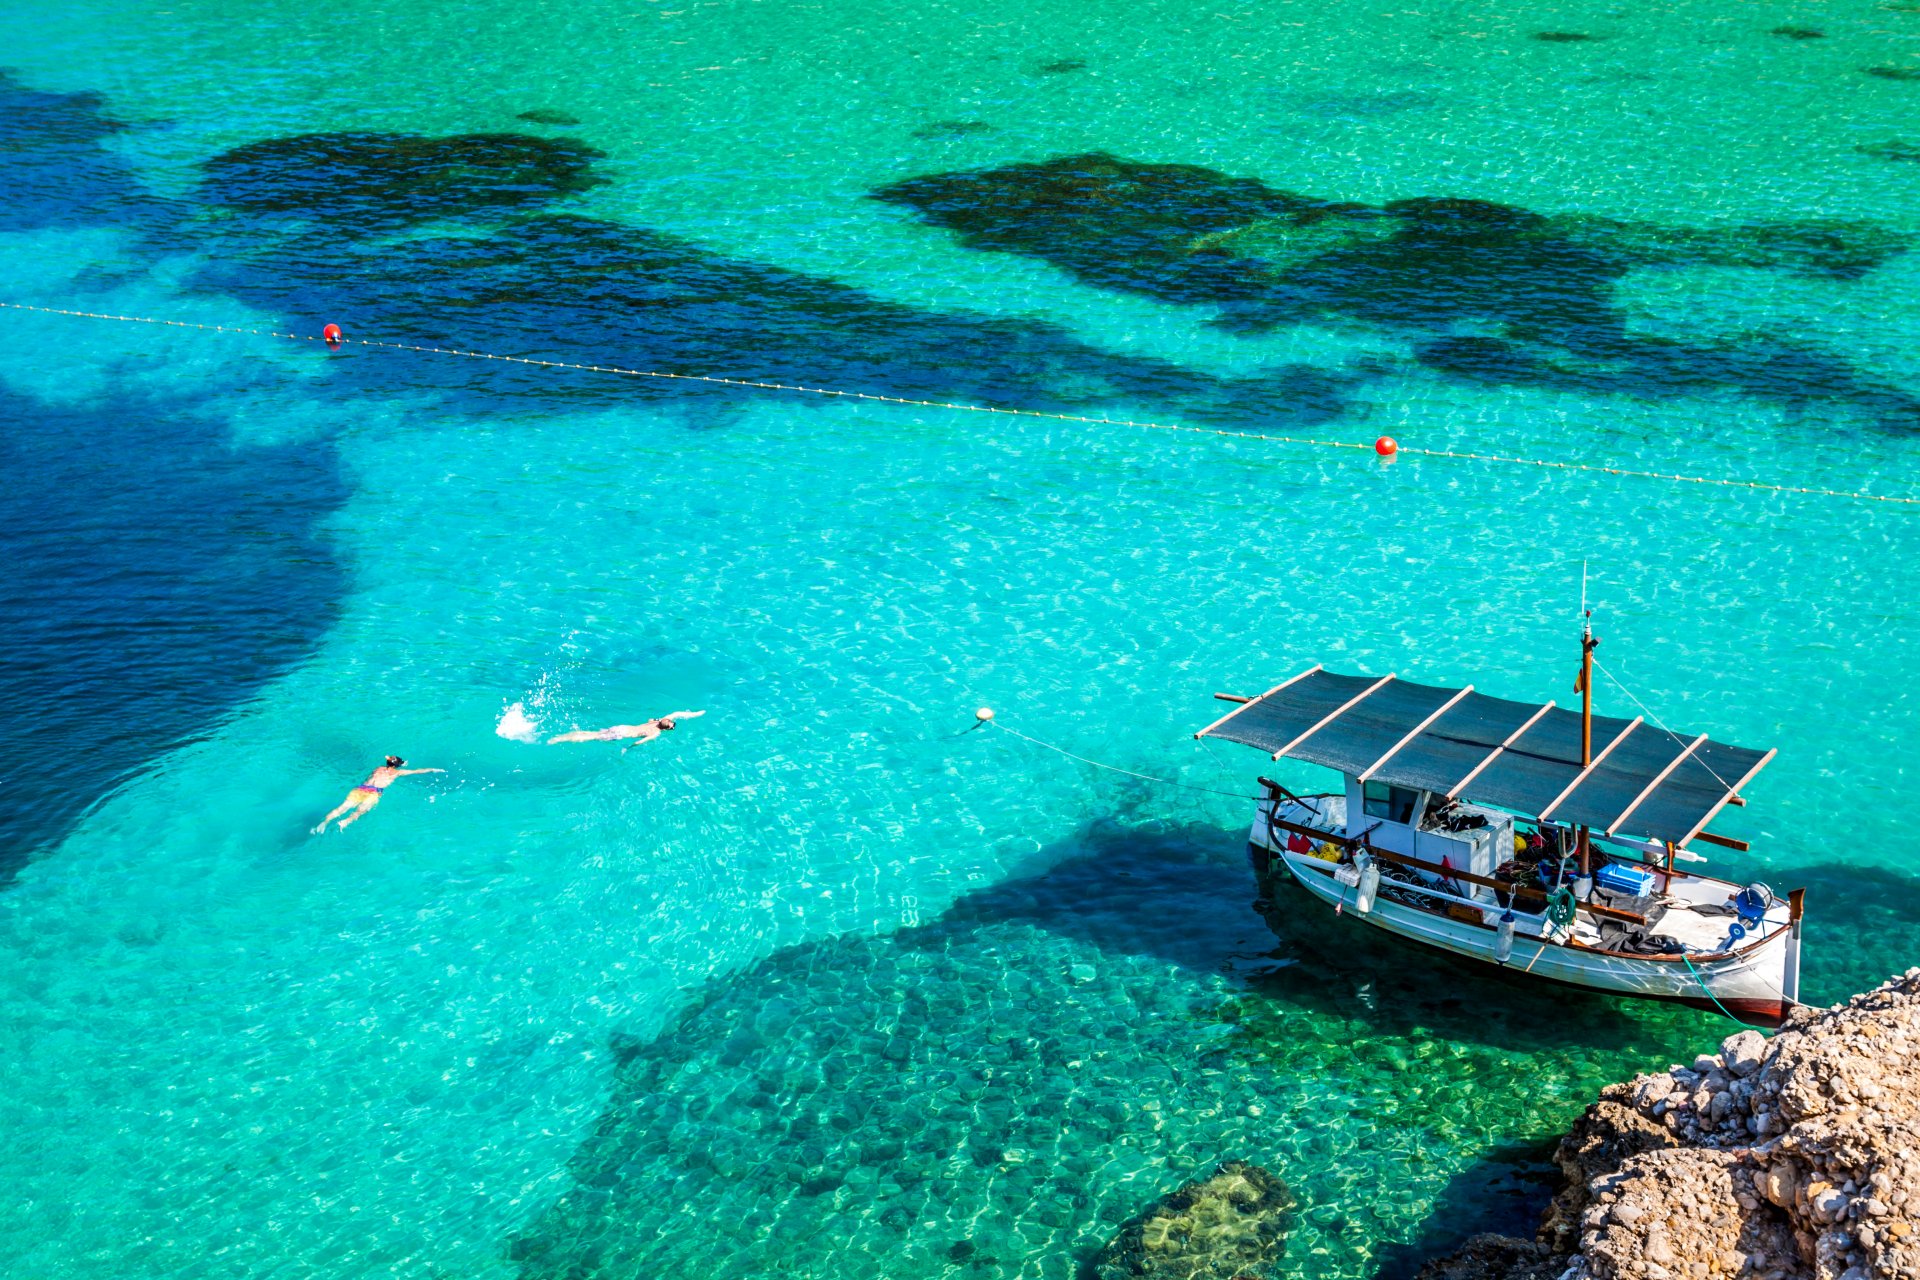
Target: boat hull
[{"x": 1749, "y": 985}]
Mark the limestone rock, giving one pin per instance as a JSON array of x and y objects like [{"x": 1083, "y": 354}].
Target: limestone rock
[
  {"x": 1802, "y": 1164},
  {"x": 1743, "y": 1052}
]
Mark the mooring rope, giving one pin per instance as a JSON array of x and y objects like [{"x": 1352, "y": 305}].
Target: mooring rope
[
  {"x": 1114, "y": 768},
  {"x": 715, "y": 380},
  {"x": 1709, "y": 990}
]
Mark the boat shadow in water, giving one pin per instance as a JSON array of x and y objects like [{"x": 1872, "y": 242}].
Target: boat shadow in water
[{"x": 1178, "y": 894}]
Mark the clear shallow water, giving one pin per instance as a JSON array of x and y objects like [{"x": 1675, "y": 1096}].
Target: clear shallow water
[{"x": 495, "y": 1029}]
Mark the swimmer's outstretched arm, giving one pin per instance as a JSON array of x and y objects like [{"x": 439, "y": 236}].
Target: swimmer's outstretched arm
[
  {"x": 682, "y": 715},
  {"x": 401, "y": 773}
]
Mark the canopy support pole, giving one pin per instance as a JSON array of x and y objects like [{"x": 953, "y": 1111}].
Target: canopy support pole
[{"x": 1587, "y": 645}]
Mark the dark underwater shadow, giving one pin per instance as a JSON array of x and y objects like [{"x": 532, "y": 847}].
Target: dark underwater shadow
[
  {"x": 1186, "y": 895},
  {"x": 58, "y": 173},
  {"x": 1489, "y": 293},
  {"x": 863, "y": 1085},
  {"x": 1505, "y": 1192},
  {"x": 351, "y": 228},
  {"x": 1343, "y": 967},
  {"x": 1176, "y": 893},
  {"x": 156, "y": 576}
]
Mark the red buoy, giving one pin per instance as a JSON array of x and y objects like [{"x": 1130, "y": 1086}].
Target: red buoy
[
  {"x": 333, "y": 335},
  {"x": 1386, "y": 446}
]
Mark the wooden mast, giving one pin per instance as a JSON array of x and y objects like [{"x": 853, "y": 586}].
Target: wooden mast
[{"x": 1587, "y": 646}]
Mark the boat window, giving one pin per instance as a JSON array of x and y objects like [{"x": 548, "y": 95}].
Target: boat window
[{"x": 1395, "y": 804}]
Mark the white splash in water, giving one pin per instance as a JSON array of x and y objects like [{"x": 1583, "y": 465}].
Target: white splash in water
[{"x": 514, "y": 724}]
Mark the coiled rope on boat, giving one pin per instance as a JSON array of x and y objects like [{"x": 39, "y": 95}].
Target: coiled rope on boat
[{"x": 874, "y": 397}]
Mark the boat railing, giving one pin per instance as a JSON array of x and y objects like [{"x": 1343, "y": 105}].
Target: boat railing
[
  {"x": 1354, "y": 844},
  {"x": 1430, "y": 891},
  {"x": 1273, "y": 818}
]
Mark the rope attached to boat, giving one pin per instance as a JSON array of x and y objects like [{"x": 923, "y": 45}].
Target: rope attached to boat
[
  {"x": 1454, "y": 454},
  {"x": 1112, "y": 768},
  {"x": 1709, "y": 990}
]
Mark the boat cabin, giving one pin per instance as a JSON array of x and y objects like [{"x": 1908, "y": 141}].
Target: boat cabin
[{"x": 1425, "y": 824}]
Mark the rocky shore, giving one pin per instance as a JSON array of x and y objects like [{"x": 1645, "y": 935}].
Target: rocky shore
[{"x": 1791, "y": 1158}]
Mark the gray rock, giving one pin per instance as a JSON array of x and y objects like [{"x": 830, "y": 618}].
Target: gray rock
[
  {"x": 1829, "y": 1205},
  {"x": 1743, "y": 1052},
  {"x": 1492, "y": 1257}
]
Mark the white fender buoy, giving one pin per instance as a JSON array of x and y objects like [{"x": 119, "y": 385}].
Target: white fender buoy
[
  {"x": 983, "y": 714},
  {"x": 1503, "y": 937},
  {"x": 1369, "y": 884}
]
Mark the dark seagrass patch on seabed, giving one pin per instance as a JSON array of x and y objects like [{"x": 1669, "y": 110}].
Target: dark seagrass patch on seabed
[
  {"x": 1223, "y": 1227},
  {"x": 165, "y": 633},
  {"x": 952, "y": 129},
  {"x": 1537, "y": 291},
  {"x": 1894, "y": 149},
  {"x": 1063, "y": 67},
  {"x": 1798, "y": 33},
  {"x": 58, "y": 173},
  {"x": 1909, "y": 74},
  {"x": 398, "y": 178},
  {"x": 585, "y": 290},
  {"x": 543, "y": 115},
  {"x": 1565, "y": 37}
]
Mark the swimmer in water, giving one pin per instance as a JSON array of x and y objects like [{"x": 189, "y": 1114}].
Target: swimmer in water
[
  {"x": 367, "y": 794},
  {"x": 638, "y": 732}
]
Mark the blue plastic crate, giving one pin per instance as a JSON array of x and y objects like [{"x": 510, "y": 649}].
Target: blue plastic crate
[{"x": 1617, "y": 877}]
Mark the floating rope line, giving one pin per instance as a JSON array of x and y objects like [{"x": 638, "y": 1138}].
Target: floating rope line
[
  {"x": 1112, "y": 768},
  {"x": 711, "y": 380}
]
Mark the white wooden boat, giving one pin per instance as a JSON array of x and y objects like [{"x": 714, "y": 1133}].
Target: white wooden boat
[{"x": 1497, "y": 831}]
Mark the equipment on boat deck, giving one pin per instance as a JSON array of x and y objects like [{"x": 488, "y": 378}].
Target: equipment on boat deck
[{"x": 1618, "y": 877}]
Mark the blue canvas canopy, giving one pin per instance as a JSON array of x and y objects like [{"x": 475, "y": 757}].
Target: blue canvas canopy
[{"x": 1643, "y": 780}]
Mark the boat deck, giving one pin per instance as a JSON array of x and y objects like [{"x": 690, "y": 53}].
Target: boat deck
[{"x": 1682, "y": 895}]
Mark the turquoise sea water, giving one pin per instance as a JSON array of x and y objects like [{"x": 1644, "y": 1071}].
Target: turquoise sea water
[{"x": 817, "y": 986}]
